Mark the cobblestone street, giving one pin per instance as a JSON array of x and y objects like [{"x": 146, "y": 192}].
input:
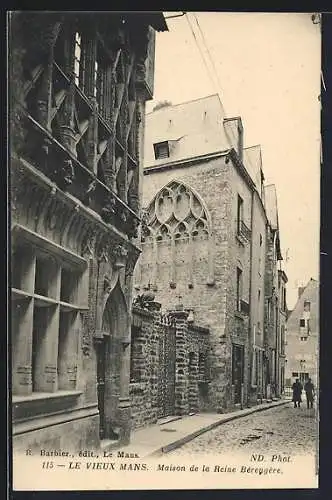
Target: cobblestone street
[{"x": 278, "y": 430}]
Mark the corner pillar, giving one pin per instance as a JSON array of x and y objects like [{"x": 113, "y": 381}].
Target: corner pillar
[{"x": 181, "y": 362}]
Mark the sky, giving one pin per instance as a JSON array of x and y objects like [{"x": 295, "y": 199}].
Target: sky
[{"x": 268, "y": 72}]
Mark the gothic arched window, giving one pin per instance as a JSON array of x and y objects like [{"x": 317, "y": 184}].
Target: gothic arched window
[{"x": 180, "y": 237}]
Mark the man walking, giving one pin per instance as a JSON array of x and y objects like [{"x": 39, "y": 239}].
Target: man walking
[
  {"x": 309, "y": 392},
  {"x": 297, "y": 392}
]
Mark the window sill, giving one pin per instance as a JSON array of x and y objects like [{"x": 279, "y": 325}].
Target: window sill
[
  {"x": 240, "y": 315},
  {"x": 42, "y": 403},
  {"x": 44, "y": 301}
]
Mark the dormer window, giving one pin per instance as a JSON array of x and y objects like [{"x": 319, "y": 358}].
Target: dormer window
[{"x": 161, "y": 150}]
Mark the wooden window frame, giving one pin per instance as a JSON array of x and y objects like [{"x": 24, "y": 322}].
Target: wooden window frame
[{"x": 52, "y": 367}]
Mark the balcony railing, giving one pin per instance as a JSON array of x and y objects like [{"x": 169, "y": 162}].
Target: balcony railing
[
  {"x": 50, "y": 161},
  {"x": 243, "y": 231}
]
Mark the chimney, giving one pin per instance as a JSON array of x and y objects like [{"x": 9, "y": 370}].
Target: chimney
[{"x": 300, "y": 291}]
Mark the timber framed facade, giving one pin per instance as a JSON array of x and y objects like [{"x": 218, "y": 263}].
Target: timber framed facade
[{"x": 79, "y": 82}]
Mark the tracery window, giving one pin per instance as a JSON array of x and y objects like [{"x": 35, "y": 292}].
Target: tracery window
[{"x": 178, "y": 245}]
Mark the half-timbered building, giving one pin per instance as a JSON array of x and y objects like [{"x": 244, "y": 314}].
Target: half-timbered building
[{"x": 78, "y": 86}]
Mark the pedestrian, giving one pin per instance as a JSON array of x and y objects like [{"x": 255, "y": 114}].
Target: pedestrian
[
  {"x": 297, "y": 392},
  {"x": 309, "y": 392}
]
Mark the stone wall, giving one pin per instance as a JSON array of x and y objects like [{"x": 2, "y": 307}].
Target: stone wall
[
  {"x": 143, "y": 387},
  {"x": 257, "y": 297},
  {"x": 190, "y": 362}
]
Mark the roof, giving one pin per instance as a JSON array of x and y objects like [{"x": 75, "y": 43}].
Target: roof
[
  {"x": 271, "y": 206},
  {"x": 283, "y": 275},
  {"x": 252, "y": 158},
  {"x": 309, "y": 293},
  {"x": 195, "y": 129},
  {"x": 156, "y": 20}
]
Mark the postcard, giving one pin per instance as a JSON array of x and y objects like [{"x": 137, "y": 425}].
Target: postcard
[{"x": 164, "y": 209}]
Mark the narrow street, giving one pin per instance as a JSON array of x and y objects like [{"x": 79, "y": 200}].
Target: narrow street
[{"x": 278, "y": 430}]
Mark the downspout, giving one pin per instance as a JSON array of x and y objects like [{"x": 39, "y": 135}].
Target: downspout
[
  {"x": 276, "y": 359},
  {"x": 251, "y": 302},
  {"x": 276, "y": 362}
]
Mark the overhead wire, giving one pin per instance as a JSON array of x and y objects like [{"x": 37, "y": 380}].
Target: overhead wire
[
  {"x": 208, "y": 50},
  {"x": 201, "y": 52}
]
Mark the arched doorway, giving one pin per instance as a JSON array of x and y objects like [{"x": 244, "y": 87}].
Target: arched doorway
[{"x": 111, "y": 363}]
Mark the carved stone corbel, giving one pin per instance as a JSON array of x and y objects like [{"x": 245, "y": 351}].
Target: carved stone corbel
[
  {"x": 109, "y": 209},
  {"x": 65, "y": 174},
  {"x": 123, "y": 216},
  {"x": 119, "y": 255},
  {"x": 38, "y": 146},
  {"x": 141, "y": 46},
  {"x": 132, "y": 225},
  {"x": 89, "y": 243},
  {"x": 131, "y": 262},
  {"x": 139, "y": 116},
  {"x": 89, "y": 192}
]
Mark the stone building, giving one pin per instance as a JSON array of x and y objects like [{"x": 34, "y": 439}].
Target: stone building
[
  {"x": 302, "y": 337},
  {"x": 272, "y": 299},
  {"x": 78, "y": 87},
  {"x": 283, "y": 312},
  {"x": 206, "y": 238}
]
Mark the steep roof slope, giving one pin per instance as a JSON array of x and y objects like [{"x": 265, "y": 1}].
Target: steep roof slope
[
  {"x": 271, "y": 205},
  {"x": 194, "y": 128},
  {"x": 309, "y": 293}
]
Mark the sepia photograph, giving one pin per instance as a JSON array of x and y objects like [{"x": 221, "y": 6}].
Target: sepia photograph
[{"x": 164, "y": 249}]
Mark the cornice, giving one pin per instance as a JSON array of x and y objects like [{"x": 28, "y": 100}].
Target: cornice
[
  {"x": 185, "y": 161},
  {"x": 46, "y": 203}
]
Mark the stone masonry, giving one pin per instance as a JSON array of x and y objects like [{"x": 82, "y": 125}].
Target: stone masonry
[
  {"x": 152, "y": 398},
  {"x": 213, "y": 296},
  {"x": 207, "y": 227}
]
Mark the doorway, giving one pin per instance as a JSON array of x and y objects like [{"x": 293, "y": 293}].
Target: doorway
[
  {"x": 111, "y": 377},
  {"x": 237, "y": 371}
]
